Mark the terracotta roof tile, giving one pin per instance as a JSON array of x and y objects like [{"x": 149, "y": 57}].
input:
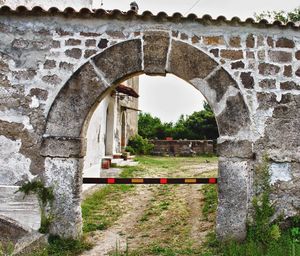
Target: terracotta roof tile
[{"x": 146, "y": 15}]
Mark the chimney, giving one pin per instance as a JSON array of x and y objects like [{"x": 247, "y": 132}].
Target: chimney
[{"x": 134, "y": 7}]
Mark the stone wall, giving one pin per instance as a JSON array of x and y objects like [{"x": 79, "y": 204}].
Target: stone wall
[
  {"x": 56, "y": 68},
  {"x": 182, "y": 147}
]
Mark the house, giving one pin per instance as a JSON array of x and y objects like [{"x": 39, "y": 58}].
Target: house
[{"x": 112, "y": 123}]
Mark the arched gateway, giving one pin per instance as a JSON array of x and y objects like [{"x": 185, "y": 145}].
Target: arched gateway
[{"x": 247, "y": 73}]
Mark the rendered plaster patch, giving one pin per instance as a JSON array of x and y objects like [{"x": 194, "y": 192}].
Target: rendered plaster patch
[
  {"x": 35, "y": 103},
  {"x": 13, "y": 116},
  {"x": 280, "y": 172},
  {"x": 14, "y": 166}
]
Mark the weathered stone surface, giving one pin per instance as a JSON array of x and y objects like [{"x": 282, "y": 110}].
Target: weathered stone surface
[
  {"x": 184, "y": 36},
  {"x": 11, "y": 231},
  {"x": 213, "y": 40},
  {"x": 24, "y": 75},
  {"x": 73, "y": 103},
  {"x": 297, "y": 55},
  {"x": 52, "y": 79},
  {"x": 281, "y": 138},
  {"x": 215, "y": 52},
  {"x": 232, "y": 54},
  {"x": 66, "y": 66},
  {"x": 63, "y": 174},
  {"x": 289, "y": 85},
  {"x": 49, "y": 64},
  {"x": 39, "y": 93},
  {"x": 266, "y": 100},
  {"x": 103, "y": 43},
  {"x": 270, "y": 41},
  {"x": 268, "y": 84},
  {"x": 89, "y": 53},
  {"x": 188, "y": 63},
  {"x": 297, "y": 73},
  {"x": 55, "y": 44},
  {"x": 220, "y": 83},
  {"x": 240, "y": 149},
  {"x": 121, "y": 60},
  {"x": 237, "y": 65},
  {"x": 250, "y": 55},
  {"x": 268, "y": 69},
  {"x": 115, "y": 34},
  {"x": 288, "y": 71},
  {"x": 156, "y": 45},
  {"x": 63, "y": 147},
  {"x": 235, "y": 41},
  {"x": 280, "y": 56},
  {"x": 90, "y": 42},
  {"x": 195, "y": 39},
  {"x": 247, "y": 80},
  {"x": 230, "y": 124},
  {"x": 261, "y": 55},
  {"x": 23, "y": 210},
  {"x": 89, "y": 34},
  {"x": 285, "y": 43},
  {"x": 234, "y": 182},
  {"x": 72, "y": 42},
  {"x": 250, "y": 41},
  {"x": 74, "y": 53}
]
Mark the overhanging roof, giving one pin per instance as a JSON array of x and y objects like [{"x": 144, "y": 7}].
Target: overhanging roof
[{"x": 127, "y": 90}]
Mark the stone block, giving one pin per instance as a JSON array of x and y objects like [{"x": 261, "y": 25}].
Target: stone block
[
  {"x": 289, "y": 85},
  {"x": 285, "y": 43},
  {"x": 23, "y": 210},
  {"x": 288, "y": 71},
  {"x": 214, "y": 40},
  {"x": 72, "y": 42},
  {"x": 266, "y": 100},
  {"x": 220, "y": 81},
  {"x": 155, "y": 47},
  {"x": 247, "y": 80},
  {"x": 90, "y": 42},
  {"x": 268, "y": 69},
  {"x": 49, "y": 64},
  {"x": 250, "y": 41},
  {"x": 103, "y": 43},
  {"x": 64, "y": 175},
  {"x": 240, "y": 149},
  {"x": 74, "y": 53},
  {"x": 234, "y": 187},
  {"x": 89, "y": 53},
  {"x": 74, "y": 102},
  {"x": 232, "y": 54},
  {"x": 63, "y": 147},
  {"x": 268, "y": 84},
  {"x": 188, "y": 62},
  {"x": 235, "y": 41},
  {"x": 52, "y": 79},
  {"x": 120, "y": 61},
  {"x": 234, "y": 117},
  {"x": 237, "y": 65},
  {"x": 280, "y": 56}
]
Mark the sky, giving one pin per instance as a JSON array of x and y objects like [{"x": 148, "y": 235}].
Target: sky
[{"x": 169, "y": 97}]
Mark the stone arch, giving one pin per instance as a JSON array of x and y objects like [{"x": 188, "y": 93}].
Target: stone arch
[{"x": 154, "y": 54}]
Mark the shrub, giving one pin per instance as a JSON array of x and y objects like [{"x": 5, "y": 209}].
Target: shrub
[{"x": 138, "y": 145}]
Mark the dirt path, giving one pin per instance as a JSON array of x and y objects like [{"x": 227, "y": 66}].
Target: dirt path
[{"x": 157, "y": 216}]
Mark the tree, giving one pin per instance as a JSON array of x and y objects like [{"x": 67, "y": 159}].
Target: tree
[
  {"x": 199, "y": 125},
  {"x": 282, "y": 16}
]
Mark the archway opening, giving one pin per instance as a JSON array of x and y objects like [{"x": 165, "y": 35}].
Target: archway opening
[{"x": 64, "y": 145}]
